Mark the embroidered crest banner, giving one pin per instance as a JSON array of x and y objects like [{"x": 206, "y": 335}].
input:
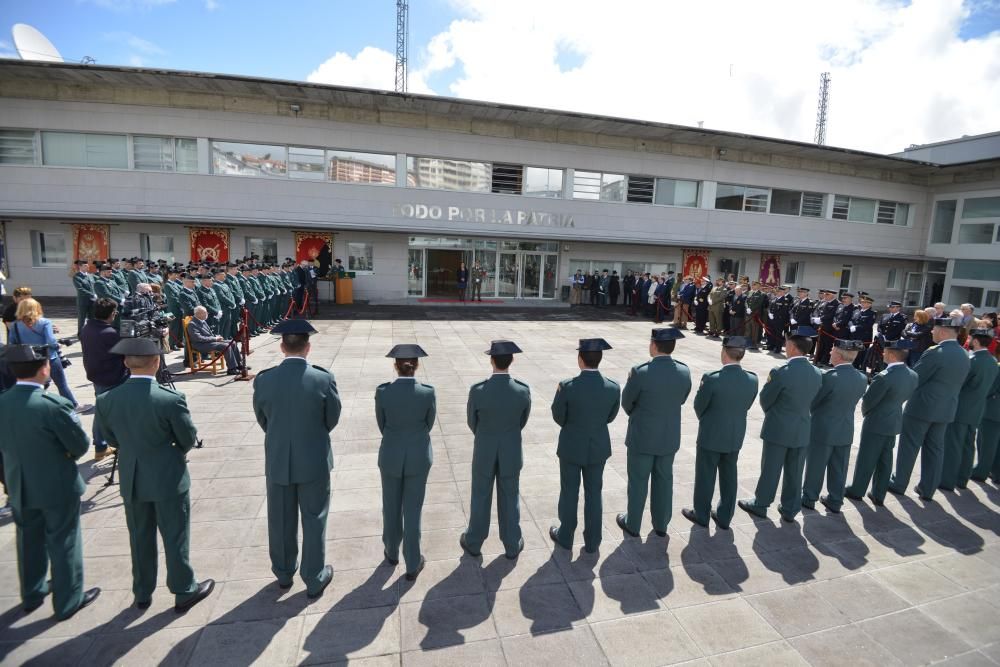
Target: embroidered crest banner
[
  {"x": 309, "y": 245},
  {"x": 695, "y": 263},
  {"x": 209, "y": 244},
  {"x": 91, "y": 242},
  {"x": 770, "y": 269}
]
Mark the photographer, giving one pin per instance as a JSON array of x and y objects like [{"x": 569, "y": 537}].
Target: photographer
[
  {"x": 33, "y": 329},
  {"x": 204, "y": 341},
  {"x": 104, "y": 369}
]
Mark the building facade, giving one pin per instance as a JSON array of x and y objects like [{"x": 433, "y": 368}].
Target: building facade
[{"x": 411, "y": 185}]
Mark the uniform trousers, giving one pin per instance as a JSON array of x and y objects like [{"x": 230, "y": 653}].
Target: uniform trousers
[
  {"x": 286, "y": 503},
  {"x": 83, "y": 311},
  {"x": 873, "y": 465},
  {"x": 570, "y": 475},
  {"x": 225, "y": 324},
  {"x": 824, "y": 343},
  {"x": 988, "y": 450},
  {"x": 829, "y": 461},
  {"x": 655, "y": 474},
  {"x": 707, "y": 464},
  {"x": 751, "y": 329},
  {"x": 176, "y": 329},
  {"x": 776, "y": 333},
  {"x": 51, "y": 534},
  {"x": 778, "y": 461},
  {"x": 715, "y": 320},
  {"x": 735, "y": 326},
  {"x": 959, "y": 452},
  {"x": 234, "y": 323},
  {"x": 402, "y": 505},
  {"x": 173, "y": 519},
  {"x": 508, "y": 511},
  {"x": 924, "y": 437}
]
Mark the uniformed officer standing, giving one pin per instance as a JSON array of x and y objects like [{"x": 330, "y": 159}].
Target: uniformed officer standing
[
  {"x": 151, "y": 427},
  {"x": 832, "y": 427},
  {"x": 786, "y": 397},
  {"x": 722, "y": 402},
  {"x": 941, "y": 371},
  {"x": 891, "y": 324},
  {"x": 497, "y": 410},
  {"x": 737, "y": 311},
  {"x": 960, "y": 437},
  {"x": 187, "y": 297},
  {"x": 701, "y": 305},
  {"x": 105, "y": 287},
  {"x": 988, "y": 441},
  {"x": 778, "y": 312},
  {"x": 228, "y": 303},
  {"x": 823, "y": 316},
  {"x": 862, "y": 328},
  {"x": 235, "y": 286},
  {"x": 297, "y": 406},
  {"x": 716, "y": 307},
  {"x": 652, "y": 399},
  {"x": 802, "y": 308},
  {"x": 119, "y": 275},
  {"x": 208, "y": 298},
  {"x": 405, "y": 410},
  {"x": 882, "y": 409},
  {"x": 252, "y": 296},
  {"x": 83, "y": 282},
  {"x": 756, "y": 306},
  {"x": 41, "y": 443},
  {"x": 583, "y": 407},
  {"x": 842, "y": 318}
]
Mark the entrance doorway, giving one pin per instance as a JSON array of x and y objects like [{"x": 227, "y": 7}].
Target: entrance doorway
[{"x": 442, "y": 272}]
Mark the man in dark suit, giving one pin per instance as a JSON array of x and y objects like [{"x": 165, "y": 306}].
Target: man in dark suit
[
  {"x": 701, "y": 293},
  {"x": 862, "y": 328},
  {"x": 823, "y": 316},
  {"x": 778, "y": 312},
  {"x": 205, "y": 341}
]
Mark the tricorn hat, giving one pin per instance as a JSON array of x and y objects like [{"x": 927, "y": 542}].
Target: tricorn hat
[
  {"x": 666, "y": 333},
  {"x": 137, "y": 347},
  {"x": 901, "y": 344},
  {"x": 849, "y": 345},
  {"x": 593, "y": 345},
  {"x": 406, "y": 351},
  {"x": 299, "y": 327},
  {"x": 738, "y": 342},
  {"x": 498, "y": 347},
  {"x": 14, "y": 354}
]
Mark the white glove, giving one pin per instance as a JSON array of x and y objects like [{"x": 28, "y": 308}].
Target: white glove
[
  {"x": 793, "y": 321},
  {"x": 853, "y": 328},
  {"x": 243, "y": 302},
  {"x": 815, "y": 320},
  {"x": 218, "y": 315},
  {"x": 710, "y": 301},
  {"x": 770, "y": 316},
  {"x": 748, "y": 311}
]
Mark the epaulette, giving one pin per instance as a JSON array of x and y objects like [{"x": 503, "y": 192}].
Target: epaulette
[
  {"x": 383, "y": 385},
  {"x": 56, "y": 399},
  {"x": 320, "y": 368},
  {"x": 638, "y": 366},
  {"x": 753, "y": 373},
  {"x": 478, "y": 384},
  {"x": 424, "y": 384},
  {"x": 266, "y": 370},
  {"x": 611, "y": 381},
  {"x": 678, "y": 361},
  {"x": 523, "y": 384},
  {"x": 168, "y": 389}
]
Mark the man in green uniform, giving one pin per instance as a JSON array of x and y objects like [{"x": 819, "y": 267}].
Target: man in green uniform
[
  {"x": 941, "y": 371},
  {"x": 119, "y": 275},
  {"x": 297, "y": 405},
  {"x": 187, "y": 297},
  {"x": 716, "y": 306},
  {"x": 722, "y": 402},
  {"x": 171, "y": 292},
  {"x": 960, "y": 438},
  {"x": 583, "y": 407},
  {"x": 252, "y": 300},
  {"x": 756, "y": 307},
  {"x": 83, "y": 282},
  {"x": 208, "y": 298},
  {"x": 497, "y": 410},
  {"x": 151, "y": 427},
  {"x": 832, "y": 427},
  {"x": 106, "y": 287},
  {"x": 41, "y": 443},
  {"x": 226, "y": 301},
  {"x": 882, "y": 409},
  {"x": 652, "y": 399},
  {"x": 135, "y": 275},
  {"x": 785, "y": 398},
  {"x": 236, "y": 287},
  {"x": 988, "y": 442}
]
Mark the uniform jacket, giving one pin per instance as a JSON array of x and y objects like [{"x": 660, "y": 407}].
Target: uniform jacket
[
  {"x": 188, "y": 300},
  {"x": 718, "y": 296},
  {"x": 224, "y": 295},
  {"x": 832, "y": 410},
  {"x": 941, "y": 372},
  {"x": 882, "y": 404},
  {"x": 119, "y": 277},
  {"x": 41, "y": 441},
  {"x": 756, "y": 303},
  {"x": 780, "y": 308},
  {"x": 584, "y": 406},
  {"x": 722, "y": 402},
  {"x": 405, "y": 412},
  {"x": 106, "y": 288},
  {"x": 84, "y": 284},
  {"x": 978, "y": 382},
  {"x": 134, "y": 277},
  {"x": 825, "y": 312},
  {"x": 701, "y": 297},
  {"x": 739, "y": 306},
  {"x": 235, "y": 286},
  {"x": 296, "y": 405},
  {"x": 152, "y": 429},
  {"x": 891, "y": 326},
  {"x": 802, "y": 310},
  {"x": 786, "y": 398},
  {"x": 863, "y": 323},
  {"x": 249, "y": 291},
  {"x": 207, "y": 297},
  {"x": 842, "y": 319},
  {"x": 992, "y": 409},
  {"x": 652, "y": 399},
  {"x": 497, "y": 410}
]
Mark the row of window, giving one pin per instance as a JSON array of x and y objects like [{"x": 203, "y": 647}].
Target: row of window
[{"x": 973, "y": 208}]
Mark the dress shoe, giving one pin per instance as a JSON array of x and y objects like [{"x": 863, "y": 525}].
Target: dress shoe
[
  {"x": 750, "y": 508},
  {"x": 284, "y": 585},
  {"x": 554, "y": 536},
  {"x": 786, "y": 518},
  {"x": 715, "y": 518},
  {"x": 517, "y": 552},
  {"x": 690, "y": 516},
  {"x": 412, "y": 576},
  {"x": 233, "y": 372},
  {"x": 620, "y": 520},
  {"x": 327, "y": 569},
  {"x": 391, "y": 561},
  {"x": 204, "y": 590},
  {"x": 809, "y": 505},
  {"x": 465, "y": 547},
  {"x": 896, "y": 492},
  {"x": 144, "y": 604},
  {"x": 875, "y": 501},
  {"x": 28, "y": 608},
  {"x": 829, "y": 505},
  {"x": 88, "y": 597},
  {"x": 854, "y": 497},
  {"x": 660, "y": 533}
]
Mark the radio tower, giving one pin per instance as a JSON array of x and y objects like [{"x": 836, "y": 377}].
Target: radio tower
[
  {"x": 822, "y": 106},
  {"x": 402, "y": 32}
]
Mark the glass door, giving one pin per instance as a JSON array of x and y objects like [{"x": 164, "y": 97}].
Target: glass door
[
  {"x": 415, "y": 272},
  {"x": 507, "y": 275},
  {"x": 531, "y": 275},
  {"x": 549, "y": 276},
  {"x": 845, "y": 279}
]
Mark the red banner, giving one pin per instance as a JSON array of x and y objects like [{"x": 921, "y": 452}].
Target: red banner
[
  {"x": 695, "y": 263},
  {"x": 92, "y": 243},
  {"x": 770, "y": 269},
  {"x": 309, "y": 245},
  {"x": 209, "y": 244}
]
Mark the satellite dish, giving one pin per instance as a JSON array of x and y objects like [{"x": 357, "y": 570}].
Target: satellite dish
[{"x": 33, "y": 45}]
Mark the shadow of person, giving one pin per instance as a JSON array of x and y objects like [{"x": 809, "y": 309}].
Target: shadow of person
[
  {"x": 703, "y": 548},
  {"x": 933, "y": 520},
  {"x": 822, "y": 530},
  {"x": 445, "y": 617},
  {"x": 969, "y": 506},
  {"x": 550, "y": 606},
  {"x": 631, "y": 591},
  {"x": 888, "y": 530},
  {"x": 783, "y": 549}
]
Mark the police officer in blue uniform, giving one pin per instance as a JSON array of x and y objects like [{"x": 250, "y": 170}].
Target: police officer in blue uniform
[{"x": 862, "y": 328}]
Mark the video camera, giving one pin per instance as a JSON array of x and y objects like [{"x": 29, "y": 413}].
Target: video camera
[
  {"x": 147, "y": 323},
  {"x": 66, "y": 363}
]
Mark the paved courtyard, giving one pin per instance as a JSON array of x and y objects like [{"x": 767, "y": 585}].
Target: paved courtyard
[{"x": 907, "y": 584}]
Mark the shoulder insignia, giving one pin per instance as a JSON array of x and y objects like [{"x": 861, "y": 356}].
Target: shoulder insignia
[
  {"x": 320, "y": 368},
  {"x": 611, "y": 381},
  {"x": 383, "y": 385},
  {"x": 478, "y": 384},
  {"x": 523, "y": 384},
  {"x": 266, "y": 370},
  {"x": 56, "y": 399},
  {"x": 751, "y": 372},
  {"x": 424, "y": 384},
  {"x": 679, "y": 362}
]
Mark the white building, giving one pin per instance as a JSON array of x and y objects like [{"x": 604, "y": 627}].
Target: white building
[{"x": 410, "y": 185}]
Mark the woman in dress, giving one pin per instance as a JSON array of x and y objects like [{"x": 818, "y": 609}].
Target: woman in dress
[
  {"x": 405, "y": 411},
  {"x": 31, "y": 328}
]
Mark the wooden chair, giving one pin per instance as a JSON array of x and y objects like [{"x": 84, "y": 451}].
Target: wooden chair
[{"x": 215, "y": 360}]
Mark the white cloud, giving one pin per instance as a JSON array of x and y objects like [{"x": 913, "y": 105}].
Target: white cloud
[
  {"x": 371, "y": 68},
  {"x": 211, "y": 5},
  {"x": 138, "y": 50}
]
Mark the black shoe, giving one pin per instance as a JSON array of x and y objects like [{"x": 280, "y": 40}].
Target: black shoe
[
  {"x": 326, "y": 568},
  {"x": 715, "y": 518},
  {"x": 391, "y": 561},
  {"x": 520, "y": 548},
  {"x": 412, "y": 576},
  {"x": 876, "y": 501},
  {"x": 144, "y": 605},
  {"x": 786, "y": 518},
  {"x": 829, "y": 505},
  {"x": 809, "y": 505},
  {"x": 465, "y": 547},
  {"x": 660, "y": 533},
  {"x": 88, "y": 597},
  {"x": 284, "y": 586},
  {"x": 896, "y": 492},
  {"x": 620, "y": 520},
  {"x": 690, "y": 516},
  {"x": 554, "y": 536},
  {"x": 981, "y": 480},
  {"x": 750, "y": 508},
  {"x": 854, "y": 497},
  {"x": 28, "y": 608},
  {"x": 233, "y": 372},
  {"x": 204, "y": 590}
]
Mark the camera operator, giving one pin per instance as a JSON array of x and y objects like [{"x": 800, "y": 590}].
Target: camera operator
[
  {"x": 104, "y": 369},
  {"x": 143, "y": 307},
  {"x": 142, "y": 301},
  {"x": 204, "y": 341}
]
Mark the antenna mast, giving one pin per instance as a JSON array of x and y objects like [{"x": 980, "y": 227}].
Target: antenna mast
[
  {"x": 402, "y": 33},
  {"x": 822, "y": 106}
]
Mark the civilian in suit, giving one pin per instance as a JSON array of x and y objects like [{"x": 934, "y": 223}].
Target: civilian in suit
[
  {"x": 738, "y": 313},
  {"x": 204, "y": 340}
]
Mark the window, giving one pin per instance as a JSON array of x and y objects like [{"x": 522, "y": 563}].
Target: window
[
  {"x": 845, "y": 279},
  {"x": 890, "y": 280},
  {"x": 640, "y": 189},
  {"x": 861, "y": 210},
  {"x": 813, "y": 204},
  {"x": 792, "y": 272},
  {"x": 670, "y": 192},
  {"x": 442, "y": 174},
  {"x": 234, "y": 159},
  {"x": 992, "y": 299},
  {"x": 507, "y": 178},
  {"x": 48, "y": 249},
  {"x": 795, "y": 202},
  {"x": 944, "y": 221},
  {"x": 965, "y": 294},
  {"x": 612, "y": 187},
  {"x": 543, "y": 182},
  {"x": 976, "y": 269},
  {"x": 981, "y": 207},
  {"x": 741, "y": 198},
  {"x": 264, "y": 248},
  {"x": 975, "y": 233},
  {"x": 306, "y": 164},
  {"x": 856, "y": 209},
  {"x": 914, "y": 289},
  {"x": 164, "y": 154},
  {"x": 355, "y": 167},
  {"x": 157, "y": 247},
  {"x": 892, "y": 213},
  {"x": 359, "y": 257},
  {"x": 71, "y": 149},
  {"x": 597, "y": 185},
  {"x": 17, "y": 147}
]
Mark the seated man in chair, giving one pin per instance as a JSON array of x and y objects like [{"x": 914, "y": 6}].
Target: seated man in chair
[{"x": 204, "y": 341}]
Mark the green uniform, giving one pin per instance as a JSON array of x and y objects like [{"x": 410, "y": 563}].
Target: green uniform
[
  {"x": 721, "y": 404},
  {"x": 960, "y": 436},
  {"x": 134, "y": 277},
  {"x": 171, "y": 292},
  {"x": 405, "y": 412},
  {"x": 119, "y": 277},
  {"x": 236, "y": 287},
  {"x": 42, "y": 439},
  {"x": 152, "y": 429},
  {"x": 497, "y": 410},
  {"x": 988, "y": 442},
  {"x": 85, "y": 297},
  {"x": 716, "y": 306},
  {"x": 941, "y": 372},
  {"x": 228, "y": 304},
  {"x": 207, "y": 297},
  {"x": 252, "y": 302},
  {"x": 297, "y": 405},
  {"x": 831, "y": 434},
  {"x": 756, "y": 305},
  {"x": 786, "y": 398},
  {"x": 188, "y": 300},
  {"x": 583, "y": 407},
  {"x": 882, "y": 409},
  {"x": 652, "y": 399}
]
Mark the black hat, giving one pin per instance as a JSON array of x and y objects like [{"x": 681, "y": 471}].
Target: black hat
[
  {"x": 981, "y": 332},
  {"x": 187, "y": 276},
  {"x": 219, "y": 269},
  {"x": 406, "y": 351},
  {"x": 137, "y": 347},
  {"x": 846, "y": 294},
  {"x": 666, "y": 333},
  {"x": 946, "y": 322},
  {"x": 849, "y": 345},
  {"x": 207, "y": 276},
  {"x": 14, "y": 354},
  {"x": 894, "y": 304},
  {"x": 802, "y": 332},
  {"x": 901, "y": 344},
  {"x": 593, "y": 345},
  {"x": 498, "y": 347},
  {"x": 803, "y": 289},
  {"x": 293, "y": 327},
  {"x": 737, "y": 342}
]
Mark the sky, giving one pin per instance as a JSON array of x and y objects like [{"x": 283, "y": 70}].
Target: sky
[{"x": 902, "y": 72}]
